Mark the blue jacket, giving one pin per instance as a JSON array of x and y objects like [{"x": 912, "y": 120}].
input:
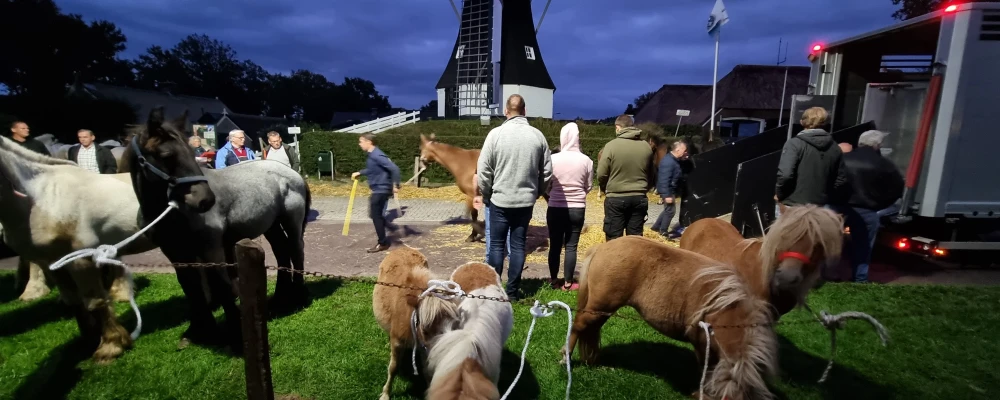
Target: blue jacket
[
  {"x": 381, "y": 172},
  {"x": 225, "y": 156},
  {"x": 667, "y": 175}
]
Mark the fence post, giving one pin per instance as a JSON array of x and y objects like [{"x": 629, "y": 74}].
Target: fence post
[
  {"x": 416, "y": 169},
  {"x": 253, "y": 304}
]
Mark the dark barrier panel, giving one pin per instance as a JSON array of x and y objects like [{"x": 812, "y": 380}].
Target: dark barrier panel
[
  {"x": 755, "y": 180},
  {"x": 711, "y": 183}
]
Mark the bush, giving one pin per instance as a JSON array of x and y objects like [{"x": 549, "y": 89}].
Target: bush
[{"x": 403, "y": 144}]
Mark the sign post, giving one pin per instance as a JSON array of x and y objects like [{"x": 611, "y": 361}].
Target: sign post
[
  {"x": 295, "y": 131},
  {"x": 680, "y": 116}
]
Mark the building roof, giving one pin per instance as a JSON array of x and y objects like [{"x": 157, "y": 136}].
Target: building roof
[
  {"x": 252, "y": 124},
  {"x": 746, "y": 87},
  {"x": 145, "y": 100}
]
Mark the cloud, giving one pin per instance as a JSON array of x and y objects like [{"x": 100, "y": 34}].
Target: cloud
[{"x": 600, "y": 54}]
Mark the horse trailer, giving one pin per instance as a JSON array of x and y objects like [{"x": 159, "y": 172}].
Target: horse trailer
[{"x": 929, "y": 82}]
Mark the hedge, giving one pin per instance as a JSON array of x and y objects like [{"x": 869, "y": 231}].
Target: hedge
[{"x": 403, "y": 144}]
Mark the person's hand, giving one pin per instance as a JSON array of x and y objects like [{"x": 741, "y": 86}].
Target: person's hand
[
  {"x": 477, "y": 202},
  {"x": 355, "y": 175},
  {"x": 668, "y": 200},
  {"x": 395, "y": 190}
]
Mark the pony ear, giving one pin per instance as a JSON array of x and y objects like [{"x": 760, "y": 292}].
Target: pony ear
[
  {"x": 432, "y": 136},
  {"x": 181, "y": 122},
  {"x": 423, "y": 138},
  {"x": 155, "y": 117}
]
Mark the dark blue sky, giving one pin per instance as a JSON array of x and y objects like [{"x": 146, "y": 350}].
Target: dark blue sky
[{"x": 600, "y": 53}]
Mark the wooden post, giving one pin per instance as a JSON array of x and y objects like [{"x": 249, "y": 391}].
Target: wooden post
[
  {"x": 416, "y": 169},
  {"x": 253, "y": 304}
]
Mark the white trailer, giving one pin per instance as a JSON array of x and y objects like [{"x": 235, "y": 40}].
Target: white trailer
[{"x": 931, "y": 82}]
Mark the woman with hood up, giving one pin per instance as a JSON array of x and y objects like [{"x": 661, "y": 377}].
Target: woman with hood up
[{"x": 572, "y": 179}]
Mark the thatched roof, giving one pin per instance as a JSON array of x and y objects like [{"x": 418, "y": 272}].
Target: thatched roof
[{"x": 746, "y": 87}]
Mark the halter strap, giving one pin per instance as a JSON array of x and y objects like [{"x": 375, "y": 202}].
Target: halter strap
[
  {"x": 171, "y": 181},
  {"x": 795, "y": 255}
]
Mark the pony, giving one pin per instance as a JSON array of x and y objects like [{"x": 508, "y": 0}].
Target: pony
[
  {"x": 214, "y": 210},
  {"x": 51, "y": 207},
  {"x": 465, "y": 362},
  {"x": 394, "y": 309},
  {"x": 786, "y": 264},
  {"x": 673, "y": 290},
  {"x": 30, "y": 277},
  {"x": 460, "y": 162}
]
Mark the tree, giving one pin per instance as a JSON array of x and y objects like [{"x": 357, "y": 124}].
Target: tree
[
  {"x": 641, "y": 101},
  {"x": 630, "y": 110},
  {"x": 431, "y": 107},
  {"x": 914, "y": 8},
  {"x": 43, "y": 49}
]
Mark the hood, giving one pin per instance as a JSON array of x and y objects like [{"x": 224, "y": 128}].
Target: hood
[
  {"x": 629, "y": 133},
  {"x": 569, "y": 137},
  {"x": 817, "y": 138}
]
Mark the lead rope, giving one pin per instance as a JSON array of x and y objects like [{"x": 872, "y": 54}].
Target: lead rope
[
  {"x": 447, "y": 290},
  {"x": 105, "y": 254},
  {"x": 708, "y": 348},
  {"x": 539, "y": 311},
  {"x": 835, "y": 322}
]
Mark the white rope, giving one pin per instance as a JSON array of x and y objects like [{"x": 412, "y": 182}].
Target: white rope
[
  {"x": 708, "y": 348},
  {"x": 835, "y": 322},
  {"x": 540, "y": 311},
  {"x": 106, "y": 254},
  {"x": 446, "y": 290}
]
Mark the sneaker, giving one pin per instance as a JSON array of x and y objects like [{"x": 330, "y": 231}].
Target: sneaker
[
  {"x": 378, "y": 248},
  {"x": 554, "y": 283}
]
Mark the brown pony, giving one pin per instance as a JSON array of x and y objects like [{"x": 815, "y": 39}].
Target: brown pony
[
  {"x": 394, "y": 307},
  {"x": 673, "y": 290},
  {"x": 465, "y": 363},
  {"x": 461, "y": 163},
  {"x": 785, "y": 264}
]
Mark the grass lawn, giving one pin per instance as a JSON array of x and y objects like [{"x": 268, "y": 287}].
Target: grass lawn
[{"x": 335, "y": 350}]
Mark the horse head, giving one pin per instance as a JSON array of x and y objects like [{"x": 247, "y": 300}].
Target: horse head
[
  {"x": 802, "y": 240},
  {"x": 163, "y": 154},
  {"x": 427, "y": 153}
]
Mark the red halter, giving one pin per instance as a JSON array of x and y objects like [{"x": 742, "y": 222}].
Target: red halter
[{"x": 795, "y": 255}]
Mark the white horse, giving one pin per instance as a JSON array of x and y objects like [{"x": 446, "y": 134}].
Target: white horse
[
  {"x": 465, "y": 362},
  {"x": 50, "y": 208}
]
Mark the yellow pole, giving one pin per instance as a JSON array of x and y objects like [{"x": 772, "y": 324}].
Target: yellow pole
[{"x": 350, "y": 208}]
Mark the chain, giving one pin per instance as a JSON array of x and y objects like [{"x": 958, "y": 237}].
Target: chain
[{"x": 368, "y": 280}]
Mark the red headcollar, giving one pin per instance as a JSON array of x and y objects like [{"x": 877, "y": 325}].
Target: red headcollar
[{"x": 795, "y": 255}]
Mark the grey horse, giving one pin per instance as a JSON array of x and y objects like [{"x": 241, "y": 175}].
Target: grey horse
[{"x": 216, "y": 208}]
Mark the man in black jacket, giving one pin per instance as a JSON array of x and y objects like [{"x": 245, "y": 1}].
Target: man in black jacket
[
  {"x": 875, "y": 184},
  {"x": 810, "y": 170},
  {"x": 19, "y": 133},
  {"x": 91, "y": 156},
  {"x": 668, "y": 175}
]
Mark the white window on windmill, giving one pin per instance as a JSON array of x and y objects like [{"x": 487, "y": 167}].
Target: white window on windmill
[
  {"x": 529, "y": 52},
  {"x": 460, "y": 52}
]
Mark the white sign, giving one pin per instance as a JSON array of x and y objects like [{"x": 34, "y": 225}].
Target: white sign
[
  {"x": 294, "y": 130},
  {"x": 683, "y": 113}
]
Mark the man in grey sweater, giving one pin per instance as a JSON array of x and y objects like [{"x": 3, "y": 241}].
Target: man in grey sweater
[{"x": 514, "y": 168}]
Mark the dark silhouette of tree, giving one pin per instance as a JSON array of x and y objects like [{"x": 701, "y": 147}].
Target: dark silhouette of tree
[
  {"x": 431, "y": 107},
  {"x": 630, "y": 110},
  {"x": 915, "y": 8},
  {"x": 641, "y": 101}
]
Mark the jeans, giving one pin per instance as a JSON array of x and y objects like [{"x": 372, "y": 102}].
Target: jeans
[
  {"x": 625, "y": 213},
  {"x": 512, "y": 222},
  {"x": 376, "y": 206},
  {"x": 565, "y": 225},
  {"x": 486, "y": 234},
  {"x": 864, "y": 224},
  {"x": 662, "y": 224}
]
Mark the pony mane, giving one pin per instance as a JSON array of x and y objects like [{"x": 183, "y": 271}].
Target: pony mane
[
  {"x": 8, "y": 145},
  {"x": 485, "y": 325},
  {"x": 820, "y": 226}
]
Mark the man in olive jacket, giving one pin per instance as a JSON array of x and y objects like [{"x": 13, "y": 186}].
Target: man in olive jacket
[
  {"x": 624, "y": 175},
  {"x": 810, "y": 170}
]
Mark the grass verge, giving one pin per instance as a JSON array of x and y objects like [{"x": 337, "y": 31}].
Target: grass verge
[{"x": 943, "y": 347}]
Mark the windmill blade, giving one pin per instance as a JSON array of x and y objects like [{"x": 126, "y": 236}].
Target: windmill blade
[
  {"x": 455, "y": 9},
  {"x": 547, "y": 3}
]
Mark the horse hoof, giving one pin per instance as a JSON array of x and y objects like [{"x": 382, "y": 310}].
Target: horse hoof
[
  {"x": 34, "y": 292},
  {"x": 108, "y": 352},
  {"x": 384, "y": 396}
]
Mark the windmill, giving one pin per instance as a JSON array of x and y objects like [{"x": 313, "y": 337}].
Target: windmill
[{"x": 496, "y": 55}]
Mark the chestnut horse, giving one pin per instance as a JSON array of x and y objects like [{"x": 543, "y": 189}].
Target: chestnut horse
[
  {"x": 465, "y": 363},
  {"x": 786, "y": 263},
  {"x": 394, "y": 307},
  {"x": 461, "y": 163},
  {"x": 674, "y": 290}
]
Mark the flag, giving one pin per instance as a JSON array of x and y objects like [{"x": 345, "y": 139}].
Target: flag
[{"x": 717, "y": 18}]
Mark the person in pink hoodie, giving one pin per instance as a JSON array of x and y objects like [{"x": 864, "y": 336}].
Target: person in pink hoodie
[{"x": 572, "y": 179}]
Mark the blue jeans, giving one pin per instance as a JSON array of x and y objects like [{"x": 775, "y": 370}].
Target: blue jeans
[
  {"x": 512, "y": 224},
  {"x": 864, "y": 224},
  {"x": 486, "y": 234}
]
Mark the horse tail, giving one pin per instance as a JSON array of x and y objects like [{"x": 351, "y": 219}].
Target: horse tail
[
  {"x": 587, "y": 258},
  {"x": 305, "y": 218},
  {"x": 749, "y": 353}
]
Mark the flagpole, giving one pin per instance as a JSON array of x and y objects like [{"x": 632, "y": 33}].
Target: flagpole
[{"x": 715, "y": 80}]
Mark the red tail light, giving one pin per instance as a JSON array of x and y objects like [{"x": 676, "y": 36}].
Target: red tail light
[
  {"x": 903, "y": 244},
  {"x": 951, "y": 8}
]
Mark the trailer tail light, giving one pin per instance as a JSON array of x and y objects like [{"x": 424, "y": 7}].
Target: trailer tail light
[
  {"x": 951, "y": 8},
  {"x": 817, "y": 47},
  {"x": 938, "y": 252},
  {"x": 903, "y": 244}
]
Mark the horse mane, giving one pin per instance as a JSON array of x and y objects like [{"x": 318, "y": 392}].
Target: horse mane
[
  {"x": 449, "y": 147},
  {"x": 19, "y": 151},
  {"x": 738, "y": 374},
  {"x": 481, "y": 336},
  {"x": 819, "y": 225}
]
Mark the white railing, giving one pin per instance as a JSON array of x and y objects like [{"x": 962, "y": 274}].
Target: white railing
[{"x": 384, "y": 123}]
